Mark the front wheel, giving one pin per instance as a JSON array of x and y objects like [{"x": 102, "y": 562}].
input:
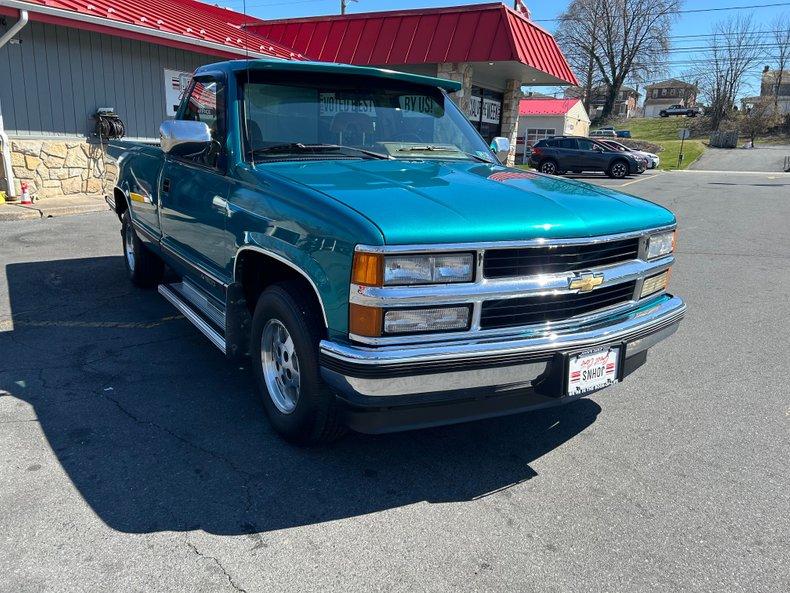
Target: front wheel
[
  {"x": 285, "y": 334},
  {"x": 618, "y": 170},
  {"x": 145, "y": 269}
]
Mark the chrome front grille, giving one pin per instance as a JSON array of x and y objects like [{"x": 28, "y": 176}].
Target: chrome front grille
[
  {"x": 524, "y": 286},
  {"x": 551, "y": 308},
  {"x": 556, "y": 259}
]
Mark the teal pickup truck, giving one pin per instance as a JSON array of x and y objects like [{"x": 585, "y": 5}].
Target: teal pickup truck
[{"x": 349, "y": 230}]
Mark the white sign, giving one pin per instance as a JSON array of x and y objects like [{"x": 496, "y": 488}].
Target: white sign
[
  {"x": 684, "y": 133},
  {"x": 593, "y": 370},
  {"x": 332, "y": 105},
  {"x": 176, "y": 84},
  {"x": 474, "y": 108},
  {"x": 492, "y": 111},
  {"x": 419, "y": 105}
]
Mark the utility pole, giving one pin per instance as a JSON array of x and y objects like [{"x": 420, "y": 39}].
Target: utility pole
[{"x": 344, "y": 4}]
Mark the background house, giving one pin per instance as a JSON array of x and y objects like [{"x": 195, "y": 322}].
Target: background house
[
  {"x": 770, "y": 83},
  {"x": 661, "y": 95},
  {"x": 625, "y": 105},
  {"x": 540, "y": 118}
]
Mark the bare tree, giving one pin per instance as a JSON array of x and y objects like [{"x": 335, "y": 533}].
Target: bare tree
[
  {"x": 615, "y": 40},
  {"x": 781, "y": 34},
  {"x": 731, "y": 53},
  {"x": 759, "y": 119}
]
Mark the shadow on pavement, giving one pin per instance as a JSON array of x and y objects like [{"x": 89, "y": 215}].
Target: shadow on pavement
[{"x": 158, "y": 431}]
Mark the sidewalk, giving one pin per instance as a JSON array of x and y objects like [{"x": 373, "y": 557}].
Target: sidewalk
[{"x": 50, "y": 207}]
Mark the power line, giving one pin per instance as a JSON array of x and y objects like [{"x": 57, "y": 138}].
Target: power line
[{"x": 698, "y": 10}]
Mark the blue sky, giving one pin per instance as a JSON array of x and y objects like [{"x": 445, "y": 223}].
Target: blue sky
[{"x": 542, "y": 10}]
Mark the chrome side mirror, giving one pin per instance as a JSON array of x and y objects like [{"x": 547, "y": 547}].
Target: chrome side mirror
[
  {"x": 501, "y": 146},
  {"x": 184, "y": 137}
]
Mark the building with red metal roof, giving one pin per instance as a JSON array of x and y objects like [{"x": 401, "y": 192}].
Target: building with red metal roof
[
  {"x": 544, "y": 117},
  {"x": 67, "y": 59}
]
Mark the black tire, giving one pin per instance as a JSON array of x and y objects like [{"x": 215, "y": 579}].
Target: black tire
[
  {"x": 549, "y": 167},
  {"x": 618, "y": 169},
  {"x": 315, "y": 417},
  {"x": 145, "y": 269}
]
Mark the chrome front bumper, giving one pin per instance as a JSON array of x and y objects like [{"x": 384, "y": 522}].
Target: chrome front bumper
[{"x": 447, "y": 371}]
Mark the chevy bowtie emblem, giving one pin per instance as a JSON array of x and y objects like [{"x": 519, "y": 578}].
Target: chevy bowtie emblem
[{"x": 585, "y": 281}]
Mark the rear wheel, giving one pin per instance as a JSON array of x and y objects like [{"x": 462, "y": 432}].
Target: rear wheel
[
  {"x": 618, "y": 169},
  {"x": 549, "y": 167},
  {"x": 285, "y": 334},
  {"x": 143, "y": 266}
]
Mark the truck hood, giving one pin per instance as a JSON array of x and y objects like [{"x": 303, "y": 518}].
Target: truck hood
[{"x": 448, "y": 202}]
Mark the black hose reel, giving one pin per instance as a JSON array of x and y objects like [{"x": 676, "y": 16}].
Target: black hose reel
[{"x": 109, "y": 125}]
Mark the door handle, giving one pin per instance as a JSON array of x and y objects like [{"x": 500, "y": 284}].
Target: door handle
[
  {"x": 221, "y": 204},
  {"x": 165, "y": 185}
]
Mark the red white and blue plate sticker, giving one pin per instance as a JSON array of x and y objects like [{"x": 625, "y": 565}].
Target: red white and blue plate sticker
[{"x": 592, "y": 370}]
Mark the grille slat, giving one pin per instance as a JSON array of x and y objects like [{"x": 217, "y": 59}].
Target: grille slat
[
  {"x": 532, "y": 310},
  {"x": 530, "y": 261}
]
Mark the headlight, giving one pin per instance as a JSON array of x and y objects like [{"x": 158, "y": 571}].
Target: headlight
[
  {"x": 407, "y": 321},
  {"x": 427, "y": 269},
  {"x": 660, "y": 244},
  {"x": 373, "y": 269}
]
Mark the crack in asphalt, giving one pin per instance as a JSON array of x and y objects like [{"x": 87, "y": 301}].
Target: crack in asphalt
[{"x": 216, "y": 561}]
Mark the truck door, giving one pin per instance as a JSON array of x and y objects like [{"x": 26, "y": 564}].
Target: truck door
[{"x": 194, "y": 193}]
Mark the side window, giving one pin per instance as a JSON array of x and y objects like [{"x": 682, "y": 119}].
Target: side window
[
  {"x": 585, "y": 144},
  {"x": 205, "y": 102},
  {"x": 568, "y": 143}
]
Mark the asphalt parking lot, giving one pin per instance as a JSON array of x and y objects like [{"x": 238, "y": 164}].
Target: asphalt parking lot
[{"x": 134, "y": 457}]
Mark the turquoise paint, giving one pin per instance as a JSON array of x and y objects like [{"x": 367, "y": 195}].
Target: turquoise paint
[{"x": 433, "y": 201}]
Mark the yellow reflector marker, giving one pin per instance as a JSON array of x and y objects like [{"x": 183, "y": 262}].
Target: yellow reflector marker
[
  {"x": 655, "y": 283},
  {"x": 368, "y": 269},
  {"x": 364, "y": 321}
]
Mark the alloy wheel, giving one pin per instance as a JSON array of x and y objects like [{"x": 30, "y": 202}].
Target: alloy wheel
[
  {"x": 128, "y": 246},
  {"x": 280, "y": 366}
]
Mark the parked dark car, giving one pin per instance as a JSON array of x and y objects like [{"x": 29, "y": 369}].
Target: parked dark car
[
  {"x": 572, "y": 153},
  {"x": 678, "y": 110}
]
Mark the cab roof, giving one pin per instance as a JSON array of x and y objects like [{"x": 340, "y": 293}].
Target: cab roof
[{"x": 274, "y": 65}]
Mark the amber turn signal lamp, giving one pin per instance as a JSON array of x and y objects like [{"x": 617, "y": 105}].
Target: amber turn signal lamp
[
  {"x": 364, "y": 321},
  {"x": 368, "y": 269}
]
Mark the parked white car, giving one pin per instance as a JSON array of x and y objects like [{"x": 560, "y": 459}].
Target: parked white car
[
  {"x": 652, "y": 159},
  {"x": 603, "y": 133}
]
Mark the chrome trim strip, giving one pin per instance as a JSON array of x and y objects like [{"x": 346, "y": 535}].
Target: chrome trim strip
[
  {"x": 193, "y": 317},
  {"x": 289, "y": 263},
  {"x": 669, "y": 311},
  {"x": 194, "y": 265},
  {"x": 550, "y": 284},
  {"x": 449, "y": 247},
  {"x": 504, "y": 332}
]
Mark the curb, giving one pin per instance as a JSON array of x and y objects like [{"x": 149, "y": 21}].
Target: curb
[{"x": 13, "y": 212}]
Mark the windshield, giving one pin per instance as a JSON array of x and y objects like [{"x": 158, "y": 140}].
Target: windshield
[{"x": 357, "y": 118}]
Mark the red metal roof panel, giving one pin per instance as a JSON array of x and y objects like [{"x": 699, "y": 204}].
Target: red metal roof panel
[
  {"x": 546, "y": 106},
  {"x": 216, "y": 30},
  {"x": 476, "y": 33}
]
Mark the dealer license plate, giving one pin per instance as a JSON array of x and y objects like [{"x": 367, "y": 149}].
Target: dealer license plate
[{"x": 591, "y": 370}]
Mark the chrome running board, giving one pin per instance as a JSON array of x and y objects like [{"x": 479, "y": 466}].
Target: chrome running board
[{"x": 195, "y": 317}]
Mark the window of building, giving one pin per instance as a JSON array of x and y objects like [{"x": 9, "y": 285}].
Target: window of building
[
  {"x": 486, "y": 112},
  {"x": 673, "y": 92},
  {"x": 535, "y": 134},
  {"x": 655, "y": 93}
]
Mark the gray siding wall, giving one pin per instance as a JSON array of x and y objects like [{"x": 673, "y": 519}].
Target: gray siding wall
[{"x": 55, "y": 79}]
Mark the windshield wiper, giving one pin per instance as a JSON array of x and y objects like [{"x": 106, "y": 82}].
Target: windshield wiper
[
  {"x": 433, "y": 148},
  {"x": 301, "y": 147}
]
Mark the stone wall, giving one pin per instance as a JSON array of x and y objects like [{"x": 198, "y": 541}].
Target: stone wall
[
  {"x": 510, "y": 103},
  {"x": 55, "y": 168},
  {"x": 460, "y": 72}
]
